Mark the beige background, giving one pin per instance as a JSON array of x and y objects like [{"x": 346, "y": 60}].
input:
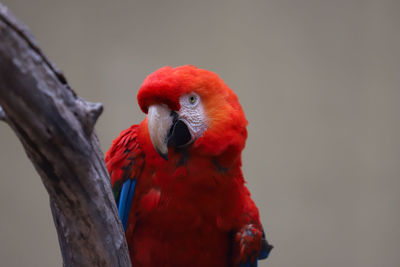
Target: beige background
[{"x": 319, "y": 82}]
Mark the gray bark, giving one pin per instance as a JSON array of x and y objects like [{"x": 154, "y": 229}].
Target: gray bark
[{"x": 55, "y": 127}]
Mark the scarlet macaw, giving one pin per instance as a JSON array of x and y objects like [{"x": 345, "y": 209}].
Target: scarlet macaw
[{"x": 177, "y": 175}]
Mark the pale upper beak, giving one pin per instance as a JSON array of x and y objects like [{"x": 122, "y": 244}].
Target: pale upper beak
[
  {"x": 166, "y": 130},
  {"x": 159, "y": 123}
]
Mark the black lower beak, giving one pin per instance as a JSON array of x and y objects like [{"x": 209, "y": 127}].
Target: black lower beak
[{"x": 179, "y": 134}]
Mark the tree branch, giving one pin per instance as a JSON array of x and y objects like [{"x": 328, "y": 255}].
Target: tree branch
[{"x": 55, "y": 127}]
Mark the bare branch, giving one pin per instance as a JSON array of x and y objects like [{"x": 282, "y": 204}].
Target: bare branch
[
  {"x": 56, "y": 129},
  {"x": 92, "y": 112}
]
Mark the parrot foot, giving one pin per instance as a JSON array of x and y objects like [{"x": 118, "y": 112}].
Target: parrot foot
[{"x": 248, "y": 241}]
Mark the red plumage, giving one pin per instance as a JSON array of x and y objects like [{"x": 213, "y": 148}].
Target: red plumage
[{"x": 194, "y": 209}]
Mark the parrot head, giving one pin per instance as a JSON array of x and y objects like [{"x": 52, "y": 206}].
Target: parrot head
[{"x": 192, "y": 109}]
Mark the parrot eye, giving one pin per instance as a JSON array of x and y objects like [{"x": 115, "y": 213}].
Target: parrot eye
[{"x": 192, "y": 99}]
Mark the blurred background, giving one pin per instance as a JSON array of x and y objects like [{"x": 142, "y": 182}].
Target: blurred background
[{"x": 318, "y": 80}]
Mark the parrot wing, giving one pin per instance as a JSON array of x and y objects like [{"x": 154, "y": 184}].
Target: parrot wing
[{"x": 125, "y": 161}]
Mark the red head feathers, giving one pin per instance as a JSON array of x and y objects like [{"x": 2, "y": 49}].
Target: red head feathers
[{"x": 226, "y": 130}]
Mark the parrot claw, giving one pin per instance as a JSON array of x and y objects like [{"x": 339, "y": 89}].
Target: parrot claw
[{"x": 249, "y": 244}]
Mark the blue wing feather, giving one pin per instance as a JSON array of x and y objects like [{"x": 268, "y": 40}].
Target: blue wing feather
[{"x": 125, "y": 200}]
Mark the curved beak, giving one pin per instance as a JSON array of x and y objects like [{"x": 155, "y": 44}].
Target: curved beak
[{"x": 166, "y": 129}]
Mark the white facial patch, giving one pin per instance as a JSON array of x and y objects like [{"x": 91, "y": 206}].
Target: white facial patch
[{"x": 192, "y": 113}]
